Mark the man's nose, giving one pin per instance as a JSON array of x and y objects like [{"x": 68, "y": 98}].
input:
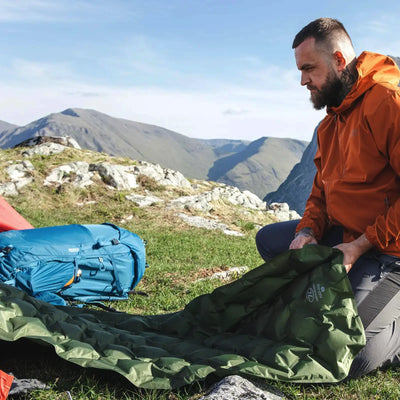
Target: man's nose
[{"x": 305, "y": 79}]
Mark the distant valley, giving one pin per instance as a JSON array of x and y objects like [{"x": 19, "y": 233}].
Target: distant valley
[{"x": 259, "y": 166}]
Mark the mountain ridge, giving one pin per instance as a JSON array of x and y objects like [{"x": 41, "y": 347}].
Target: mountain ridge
[
  {"x": 194, "y": 157},
  {"x": 4, "y": 126}
]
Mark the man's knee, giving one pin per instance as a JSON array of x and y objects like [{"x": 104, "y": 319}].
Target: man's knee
[
  {"x": 262, "y": 242},
  {"x": 362, "y": 365},
  {"x": 274, "y": 239},
  {"x": 380, "y": 351}
]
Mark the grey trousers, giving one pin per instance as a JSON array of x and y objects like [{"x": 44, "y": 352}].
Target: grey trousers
[{"x": 375, "y": 280}]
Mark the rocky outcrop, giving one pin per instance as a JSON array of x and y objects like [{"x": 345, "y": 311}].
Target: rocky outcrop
[
  {"x": 203, "y": 202},
  {"x": 45, "y": 149},
  {"x": 38, "y": 140},
  {"x": 76, "y": 173},
  {"x": 20, "y": 175},
  {"x": 143, "y": 201},
  {"x": 120, "y": 177},
  {"x": 282, "y": 211},
  {"x": 201, "y": 197},
  {"x": 164, "y": 176}
]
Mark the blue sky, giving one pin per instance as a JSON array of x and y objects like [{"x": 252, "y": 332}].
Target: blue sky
[{"x": 203, "y": 68}]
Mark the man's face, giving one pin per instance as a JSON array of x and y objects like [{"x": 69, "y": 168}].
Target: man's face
[{"x": 318, "y": 74}]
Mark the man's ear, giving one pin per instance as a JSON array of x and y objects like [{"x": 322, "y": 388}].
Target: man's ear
[{"x": 340, "y": 61}]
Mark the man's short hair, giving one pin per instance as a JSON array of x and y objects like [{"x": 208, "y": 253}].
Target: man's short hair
[{"x": 323, "y": 30}]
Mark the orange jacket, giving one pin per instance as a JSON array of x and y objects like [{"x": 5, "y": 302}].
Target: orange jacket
[{"x": 357, "y": 184}]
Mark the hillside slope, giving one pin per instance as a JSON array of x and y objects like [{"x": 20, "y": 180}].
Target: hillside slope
[
  {"x": 297, "y": 187},
  {"x": 249, "y": 170},
  {"x": 4, "y": 126}
]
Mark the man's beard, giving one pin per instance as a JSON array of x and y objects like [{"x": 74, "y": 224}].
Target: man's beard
[{"x": 333, "y": 91}]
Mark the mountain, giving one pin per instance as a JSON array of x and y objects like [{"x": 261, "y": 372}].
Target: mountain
[
  {"x": 4, "y": 126},
  {"x": 99, "y": 132},
  {"x": 396, "y": 60},
  {"x": 297, "y": 186},
  {"x": 248, "y": 169},
  {"x": 258, "y": 166}
]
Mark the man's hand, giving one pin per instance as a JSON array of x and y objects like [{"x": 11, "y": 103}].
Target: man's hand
[
  {"x": 353, "y": 250},
  {"x": 303, "y": 237}
]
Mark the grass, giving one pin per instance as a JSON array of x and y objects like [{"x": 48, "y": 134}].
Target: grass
[{"x": 178, "y": 256}]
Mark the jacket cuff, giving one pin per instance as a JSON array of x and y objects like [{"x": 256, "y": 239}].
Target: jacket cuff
[
  {"x": 372, "y": 237},
  {"x": 309, "y": 225}
]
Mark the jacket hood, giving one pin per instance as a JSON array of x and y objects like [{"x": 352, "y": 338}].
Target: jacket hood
[{"x": 372, "y": 69}]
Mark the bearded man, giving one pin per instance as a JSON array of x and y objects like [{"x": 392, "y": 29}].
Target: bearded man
[{"x": 354, "y": 204}]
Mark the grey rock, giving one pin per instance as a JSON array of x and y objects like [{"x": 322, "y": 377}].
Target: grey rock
[
  {"x": 225, "y": 275},
  {"x": 23, "y": 386},
  {"x": 117, "y": 176},
  {"x": 232, "y": 233},
  {"x": 200, "y": 222},
  {"x": 234, "y": 196},
  {"x": 45, "y": 149},
  {"x": 237, "y": 388},
  {"x": 202, "y": 202},
  {"x": 163, "y": 176},
  {"x": 76, "y": 173},
  {"x": 20, "y": 174},
  {"x": 192, "y": 203},
  {"x": 19, "y": 170},
  {"x": 282, "y": 212},
  {"x": 121, "y": 177},
  {"x": 143, "y": 201},
  {"x": 8, "y": 189}
]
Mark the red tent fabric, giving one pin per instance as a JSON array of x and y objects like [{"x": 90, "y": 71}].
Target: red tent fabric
[
  {"x": 5, "y": 384},
  {"x": 11, "y": 219}
]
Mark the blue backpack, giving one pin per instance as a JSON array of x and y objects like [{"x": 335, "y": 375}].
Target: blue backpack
[{"x": 84, "y": 263}]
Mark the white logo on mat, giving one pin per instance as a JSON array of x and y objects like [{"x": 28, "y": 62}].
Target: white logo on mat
[{"x": 314, "y": 293}]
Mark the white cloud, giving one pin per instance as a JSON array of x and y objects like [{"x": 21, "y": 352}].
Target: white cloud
[
  {"x": 377, "y": 31},
  {"x": 31, "y": 10},
  {"x": 139, "y": 53},
  {"x": 40, "y": 72},
  {"x": 63, "y": 10},
  {"x": 234, "y": 111}
]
